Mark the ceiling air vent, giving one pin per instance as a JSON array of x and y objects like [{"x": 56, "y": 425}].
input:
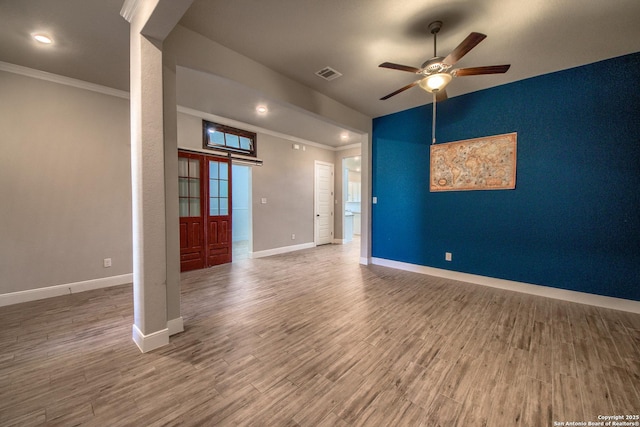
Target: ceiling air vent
[{"x": 328, "y": 73}]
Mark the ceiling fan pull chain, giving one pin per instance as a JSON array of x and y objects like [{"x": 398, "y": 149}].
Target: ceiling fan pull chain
[{"x": 433, "y": 121}]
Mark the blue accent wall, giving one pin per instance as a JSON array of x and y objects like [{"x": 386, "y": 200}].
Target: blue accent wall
[{"x": 573, "y": 221}]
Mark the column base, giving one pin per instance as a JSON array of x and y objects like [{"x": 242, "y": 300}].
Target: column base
[
  {"x": 152, "y": 341},
  {"x": 175, "y": 326}
]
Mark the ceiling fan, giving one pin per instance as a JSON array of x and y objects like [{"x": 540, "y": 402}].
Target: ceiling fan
[{"x": 436, "y": 73}]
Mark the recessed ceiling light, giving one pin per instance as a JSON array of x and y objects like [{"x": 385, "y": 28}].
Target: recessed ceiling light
[
  {"x": 344, "y": 136},
  {"x": 41, "y": 38},
  {"x": 261, "y": 109}
]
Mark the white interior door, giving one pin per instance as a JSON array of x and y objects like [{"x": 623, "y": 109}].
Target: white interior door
[{"x": 323, "y": 233}]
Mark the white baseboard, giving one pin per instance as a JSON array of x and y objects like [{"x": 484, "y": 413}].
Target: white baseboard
[
  {"x": 150, "y": 342},
  {"x": 175, "y": 326},
  {"x": 527, "y": 288},
  {"x": 66, "y": 289},
  {"x": 282, "y": 250},
  {"x": 365, "y": 260}
]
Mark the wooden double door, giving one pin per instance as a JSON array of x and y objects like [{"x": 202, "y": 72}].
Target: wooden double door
[{"x": 204, "y": 190}]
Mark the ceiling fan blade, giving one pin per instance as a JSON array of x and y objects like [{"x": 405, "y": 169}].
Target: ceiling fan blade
[
  {"x": 399, "y": 67},
  {"x": 463, "y": 48},
  {"x": 441, "y": 95},
  {"x": 402, "y": 89},
  {"x": 474, "y": 71}
]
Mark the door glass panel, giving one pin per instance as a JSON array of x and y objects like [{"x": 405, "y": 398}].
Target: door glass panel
[
  {"x": 224, "y": 206},
  {"x": 213, "y": 188},
  {"x": 194, "y": 207},
  {"x": 218, "y": 188},
  {"x": 194, "y": 187},
  {"x": 184, "y": 206},
  {"x": 224, "y": 188},
  {"x": 194, "y": 168},
  {"x": 183, "y": 187},
  {"x": 213, "y": 207},
  {"x": 183, "y": 166}
]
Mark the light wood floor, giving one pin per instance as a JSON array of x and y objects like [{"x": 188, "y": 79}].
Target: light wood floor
[{"x": 313, "y": 338}]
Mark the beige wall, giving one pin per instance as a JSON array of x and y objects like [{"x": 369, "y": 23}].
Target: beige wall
[
  {"x": 64, "y": 184},
  {"x": 286, "y": 180}
]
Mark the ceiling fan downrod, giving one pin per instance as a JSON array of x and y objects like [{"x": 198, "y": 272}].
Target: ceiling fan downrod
[
  {"x": 435, "y": 36},
  {"x": 435, "y": 27}
]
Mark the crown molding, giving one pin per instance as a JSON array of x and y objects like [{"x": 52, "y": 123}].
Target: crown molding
[{"x": 56, "y": 78}]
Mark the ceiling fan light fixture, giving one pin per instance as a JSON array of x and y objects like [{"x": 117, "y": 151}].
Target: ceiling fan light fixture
[{"x": 435, "y": 82}]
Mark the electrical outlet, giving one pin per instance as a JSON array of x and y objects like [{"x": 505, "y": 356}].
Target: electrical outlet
[
  {"x": 293, "y": 237},
  {"x": 107, "y": 262},
  {"x": 447, "y": 256}
]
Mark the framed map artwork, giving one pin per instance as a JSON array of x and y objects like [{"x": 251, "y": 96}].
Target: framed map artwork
[{"x": 487, "y": 163}]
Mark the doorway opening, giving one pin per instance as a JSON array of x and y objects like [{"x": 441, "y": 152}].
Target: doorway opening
[
  {"x": 241, "y": 210},
  {"x": 352, "y": 195}
]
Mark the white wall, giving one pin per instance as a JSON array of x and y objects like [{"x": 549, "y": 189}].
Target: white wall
[{"x": 64, "y": 184}]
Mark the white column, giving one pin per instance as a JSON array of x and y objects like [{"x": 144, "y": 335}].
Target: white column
[
  {"x": 151, "y": 21},
  {"x": 147, "y": 175},
  {"x": 174, "y": 318}
]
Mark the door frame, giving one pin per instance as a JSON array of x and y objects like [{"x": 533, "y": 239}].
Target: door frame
[{"x": 315, "y": 200}]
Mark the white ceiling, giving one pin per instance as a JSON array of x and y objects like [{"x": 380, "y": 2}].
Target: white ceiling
[{"x": 297, "y": 38}]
